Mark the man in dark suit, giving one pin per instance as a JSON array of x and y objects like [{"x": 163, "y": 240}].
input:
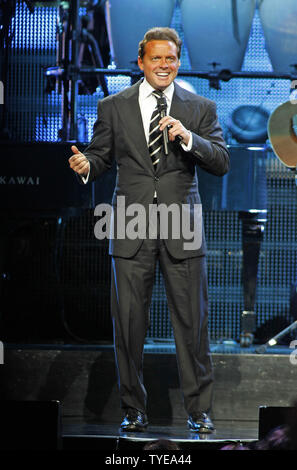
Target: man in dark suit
[{"x": 126, "y": 130}]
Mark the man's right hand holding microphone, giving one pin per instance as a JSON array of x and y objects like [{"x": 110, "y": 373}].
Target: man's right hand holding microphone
[{"x": 78, "y": 162}]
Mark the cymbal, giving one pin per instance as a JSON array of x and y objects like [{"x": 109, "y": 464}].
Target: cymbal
[{"x": 281, "y": 134}]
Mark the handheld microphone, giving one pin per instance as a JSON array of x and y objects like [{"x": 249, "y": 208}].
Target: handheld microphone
[{"x": 162, "y": 106}]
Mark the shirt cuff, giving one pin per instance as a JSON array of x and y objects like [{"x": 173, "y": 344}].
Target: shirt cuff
[
  {"x": 85, "y": 179},
  {"x": 188, "y": 147}
]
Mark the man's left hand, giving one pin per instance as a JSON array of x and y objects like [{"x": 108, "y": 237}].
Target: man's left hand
[{"x": 175, "y": 128}]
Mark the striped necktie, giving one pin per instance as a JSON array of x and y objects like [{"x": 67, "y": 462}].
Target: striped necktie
[{"x": 155, "y": 143}]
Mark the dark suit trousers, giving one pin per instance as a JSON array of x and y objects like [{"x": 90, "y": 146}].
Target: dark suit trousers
[{"x": 186, "y": 291}]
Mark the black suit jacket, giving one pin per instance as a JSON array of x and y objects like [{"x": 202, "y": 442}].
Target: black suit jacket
[{"x": 118, "y": 133}]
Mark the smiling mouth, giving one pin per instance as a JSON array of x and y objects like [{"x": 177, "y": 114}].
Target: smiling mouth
[{"x": 162, "y": 74}]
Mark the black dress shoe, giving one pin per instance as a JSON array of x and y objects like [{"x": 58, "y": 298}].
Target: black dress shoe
[
  {"x": 134, "y": 421},
  {"x": 200, "y": 422}
]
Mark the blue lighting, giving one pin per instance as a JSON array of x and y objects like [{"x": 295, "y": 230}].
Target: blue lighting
[
  {"x": 34, "y": 49},
  {"x": 34, "y": 31}
]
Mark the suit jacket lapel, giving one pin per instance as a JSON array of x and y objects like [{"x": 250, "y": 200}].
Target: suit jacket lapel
[
  {"x": 130, "y": 114},
  {"x": 177, "y": 109},
  {"x": 132, "y": 120}
]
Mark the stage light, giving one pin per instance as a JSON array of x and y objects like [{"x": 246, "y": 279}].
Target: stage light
[{"x": 255, "y": 148}]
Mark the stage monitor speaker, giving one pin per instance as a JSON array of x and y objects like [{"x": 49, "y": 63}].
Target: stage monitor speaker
[
  {"x": 270, "y": 417},
  {"x": 30, "y": 425}
]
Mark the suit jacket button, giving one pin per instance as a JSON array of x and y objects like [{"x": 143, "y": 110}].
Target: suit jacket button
[{"x": 157, "y": 178}]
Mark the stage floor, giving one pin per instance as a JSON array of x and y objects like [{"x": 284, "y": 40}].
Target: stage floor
[
  {"x": 108, "y": 436},
  {"x": 158, "y": 346},
  {"x": 82, "y": 379}
]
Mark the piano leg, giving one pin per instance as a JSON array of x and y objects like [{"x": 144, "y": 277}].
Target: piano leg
[{"x": 252, "y": 236}]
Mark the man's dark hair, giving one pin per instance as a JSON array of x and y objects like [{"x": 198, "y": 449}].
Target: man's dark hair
[{"x": 160, "y": 34}]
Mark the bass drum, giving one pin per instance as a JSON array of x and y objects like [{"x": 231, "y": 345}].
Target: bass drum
[
  {"x": 217, "y": 32},
  {"x": 279, "y": 23},
  {"x": 128, "y": 21}
]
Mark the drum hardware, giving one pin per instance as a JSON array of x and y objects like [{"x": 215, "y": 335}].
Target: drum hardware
[
  {"x": 282, "y": 132},
  {"x": 75, "y": 43}
]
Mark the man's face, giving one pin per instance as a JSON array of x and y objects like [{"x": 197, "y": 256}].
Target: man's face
[{"x": 160, "y": 63}]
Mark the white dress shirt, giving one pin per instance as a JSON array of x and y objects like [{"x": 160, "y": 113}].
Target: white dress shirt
[{"x": 147, "y": 103}]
